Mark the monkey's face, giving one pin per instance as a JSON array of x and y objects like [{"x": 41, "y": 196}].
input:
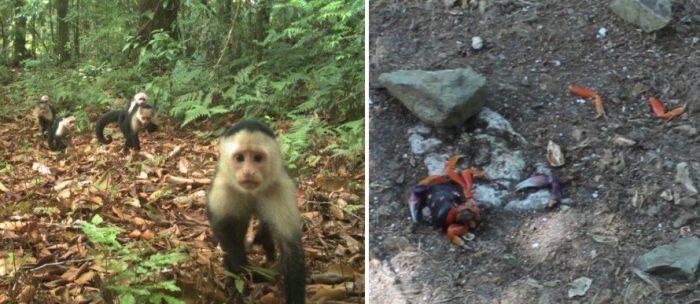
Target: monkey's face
[
  {"x": 249, "y": 166},
  {"x": 145, "y": 116},
  {"x": 140, "y": 98},
  {"x": 69, "y": 122}
]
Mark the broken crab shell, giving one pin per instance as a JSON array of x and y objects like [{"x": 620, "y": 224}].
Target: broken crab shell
[{"x": 554, "y": 155}]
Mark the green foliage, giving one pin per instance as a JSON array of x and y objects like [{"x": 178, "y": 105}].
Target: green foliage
[
  {"x": 354, "y": 208},
  {"x": 6, "y": 168},
  {"x": 5, "y": 75},
  {"x": 350, "y": 141},
  {"x": 46, "y": 210},
  {"x": 297, "y": 145},
  {"x": 132, "y": 266}
]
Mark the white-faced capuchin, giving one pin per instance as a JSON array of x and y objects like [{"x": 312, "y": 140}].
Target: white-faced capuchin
[
  {"x": 45, "y": 113},
  {"x": 115, "y": 116},
  {"x": 251, "y": 180},
  {"x": 58, "y": 135},
  {"x": 130, "y": 123}
]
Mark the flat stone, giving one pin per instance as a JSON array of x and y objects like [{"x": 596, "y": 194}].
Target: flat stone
[
  {"x": 440, "y": 98},
  {"x": 678, "y": 260},
  {"x": 535, "y": 201},
  {"x": 649, "y": 15},
  {"x": 683, "y": 177}
]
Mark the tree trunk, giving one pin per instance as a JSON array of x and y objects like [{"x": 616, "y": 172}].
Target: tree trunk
[
  {"x": 51, "y": 29},
  {"x": 262, "y": 21},
  {"x": 20, "y": 41},
  {"x": 164, "y": 16},
  {"x": 3, "y": 35},
  {"x": 76, "y": 31},
  {"x": 61, "y": 50}
]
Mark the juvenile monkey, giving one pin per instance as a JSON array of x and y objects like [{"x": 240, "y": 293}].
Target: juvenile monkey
[
  {"x": 58, "y": 135},
  {"x": 251, "y": 180},
  {"x": 130, "y": 124},
  {"x": 118, "y": 115},
  {"x": 45, "y": 113}
]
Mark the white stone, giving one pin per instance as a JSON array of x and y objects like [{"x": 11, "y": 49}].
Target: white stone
[{"x": 477, "y": 43}]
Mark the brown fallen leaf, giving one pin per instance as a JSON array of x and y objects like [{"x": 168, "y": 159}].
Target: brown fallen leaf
[
  {"x": 85, "y": 278},
  {"x": 328, "y": 293},
  {"x": 27, "y": 294},
  {"x": 175, "y": 151},
  {"x": 269, "y": 298},
  {"x": 3, "y": 188},
  {"x": 183, "y": 165},
  {"x": 148, "y": 235},
  {"x": 182, "y": 180},
  {"x": 135, "y": 234}
]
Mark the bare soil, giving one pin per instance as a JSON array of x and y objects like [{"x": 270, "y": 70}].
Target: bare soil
[{"x": 625, "y": 200}]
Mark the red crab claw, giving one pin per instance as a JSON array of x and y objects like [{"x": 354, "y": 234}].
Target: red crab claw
[
  {"x": 539, "y": 181},
  {"x": 416, "y": 201},
  {"x": 455, "y": 233}
]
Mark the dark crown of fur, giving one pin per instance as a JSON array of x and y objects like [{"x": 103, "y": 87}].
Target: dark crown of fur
[
  {"x": 250, "y": 125},
  {"x": 143, "y": 106}
]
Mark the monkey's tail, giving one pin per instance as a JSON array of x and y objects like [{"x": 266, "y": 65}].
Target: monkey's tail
[{"x": 102, "y": 122}]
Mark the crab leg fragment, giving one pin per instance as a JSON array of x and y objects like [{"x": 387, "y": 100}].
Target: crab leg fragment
[
  {"x": 539, "y": 181},
  {"x": 588, "y": 93},
  {"x": 660, "y": 112}
]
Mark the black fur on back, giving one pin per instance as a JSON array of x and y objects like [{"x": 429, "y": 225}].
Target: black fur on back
[{"x": 250, "y": 125}]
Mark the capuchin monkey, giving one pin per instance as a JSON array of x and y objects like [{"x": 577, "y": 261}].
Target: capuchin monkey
[
  {"x": 130, "y": 123},
  {"x": 251, "y": 180},
  {"x": 58, "y": 135},
  {"x": 139, "y": 99},
  {"x": 45, "y": 113}
]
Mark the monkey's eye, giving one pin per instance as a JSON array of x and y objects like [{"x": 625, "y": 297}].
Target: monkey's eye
[
  {"x": 258, "y": 158},
  {"x": 239, "y": 158}
]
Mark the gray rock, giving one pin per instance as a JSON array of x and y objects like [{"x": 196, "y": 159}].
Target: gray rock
[
  {"x": 683, "y": 177},
  {"x": 441, "y": 98},
  {"x": 535, "y": 201},
  {"x": 649, "y": 15},
  {"x": 678, "y": 260}
]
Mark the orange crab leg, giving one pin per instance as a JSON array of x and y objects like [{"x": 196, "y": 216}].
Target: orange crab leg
[
  {"x": 454, "y": 233},
  {"x": 581, "y": 91},
  {"x": 449, "y": 169},
  {"x": 587, "y": 93},
  {"x": 660, "y": 112},
  {"x": 673, "y": 113},
  {"x": 598, "y": 106},
  {"x": 468, "y": 177},
  {"x": 433, "y": 179},
  {"x": 657, "y": 107}
]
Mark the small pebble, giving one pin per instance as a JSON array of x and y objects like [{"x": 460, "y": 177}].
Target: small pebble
[
  {"x": 602, "y": 32},
  {"x": 594, "y": 195},
  {"x": 477, "y": 43},
  {"x": 684, "y": 219}
]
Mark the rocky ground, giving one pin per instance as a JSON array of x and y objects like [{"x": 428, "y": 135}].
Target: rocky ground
[{"x": 620, "y": 200}]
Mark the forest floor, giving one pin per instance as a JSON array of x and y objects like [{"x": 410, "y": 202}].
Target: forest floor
[
  {"x": 157, "y": 199},
  {"x": 624, "y": 199}
]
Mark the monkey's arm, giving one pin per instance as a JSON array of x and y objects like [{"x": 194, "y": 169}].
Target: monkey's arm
[
  {"x": 45, "y": 125},
  {"x": 152, "y": 127},
  {"x": 113, "y": 116},
  {"x": 125, "y": 127}
]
